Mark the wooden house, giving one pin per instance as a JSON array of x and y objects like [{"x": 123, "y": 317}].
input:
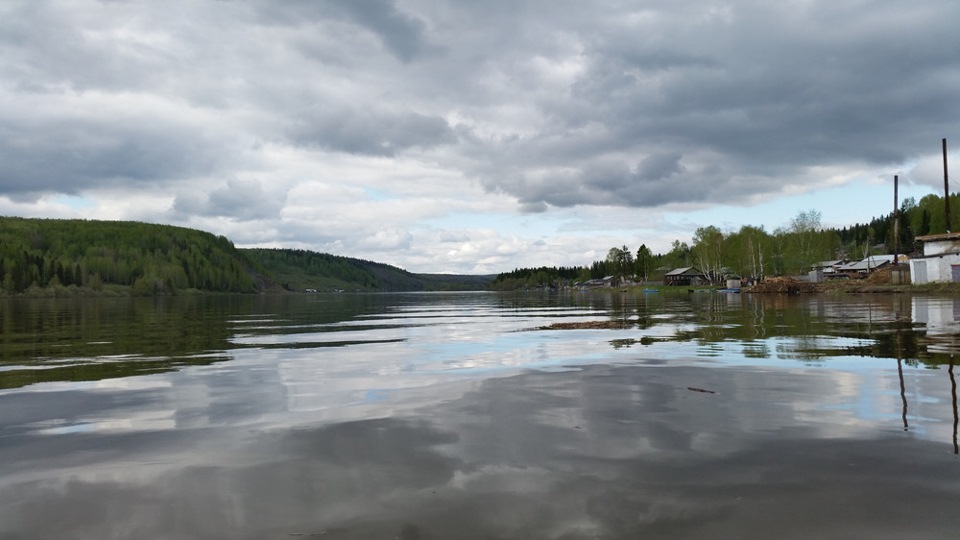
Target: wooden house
[{"x": 685, "y": 276}]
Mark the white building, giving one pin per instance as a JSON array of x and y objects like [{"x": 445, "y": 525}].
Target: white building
[{"x": 940, "y": 261}]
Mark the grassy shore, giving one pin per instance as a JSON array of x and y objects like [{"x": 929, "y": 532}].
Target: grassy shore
[
  {"x": 853, "y": 286},
  {"x": 829, "y": 287}
]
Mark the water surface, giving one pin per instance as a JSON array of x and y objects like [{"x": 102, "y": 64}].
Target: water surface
[{"x": 465, "y": 415}]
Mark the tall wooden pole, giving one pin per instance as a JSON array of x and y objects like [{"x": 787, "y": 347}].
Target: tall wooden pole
[
  {"x": 896, "y": 221},
  {"x": 946, "y": 186}
]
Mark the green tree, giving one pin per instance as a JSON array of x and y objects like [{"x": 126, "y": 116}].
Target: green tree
[
  {"x": 748, "y": 251},
  {"x": 679, "y": 255},
  {"x": 708, "y": 251},
  {"x": 805, "y": 228},
  {"x": 621, "y": 261},
  {"x": 61, "y": 253},
  {"x": 644, "y": 262}
]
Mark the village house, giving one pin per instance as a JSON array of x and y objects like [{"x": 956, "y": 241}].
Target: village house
[
  {"x": 828, "y": 268},
  {"x": 598, "y": 283},
  {"x": 940, "y": 261},
  {"x": 685, "y": 276},
  {"x": 865, "y": 267}
]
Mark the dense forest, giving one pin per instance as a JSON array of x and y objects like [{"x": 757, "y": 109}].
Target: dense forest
[
  {"x": 753, "y": 252},
  {"x": 298, "y": 269},
  {"x": 148, "y": 258}
]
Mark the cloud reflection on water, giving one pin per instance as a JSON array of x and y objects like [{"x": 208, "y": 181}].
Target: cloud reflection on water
[
  {"x": 492, "y": 432},
  {"x": 602, "y": 452}
]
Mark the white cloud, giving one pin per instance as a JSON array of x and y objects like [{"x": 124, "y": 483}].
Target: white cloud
[{"x": 380, "y": 129}]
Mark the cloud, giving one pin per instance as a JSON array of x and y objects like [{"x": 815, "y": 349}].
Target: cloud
[
  {"x": 67, "y": 152},
  {"x": 236, "y": 200},
  {"x": 751, "y": 98},
  {"x": 381, "y": 133},
  {"x": 390, "y": 239},
  {"x": 531, "y": 110},
  {"x": 401, "y": 33}
]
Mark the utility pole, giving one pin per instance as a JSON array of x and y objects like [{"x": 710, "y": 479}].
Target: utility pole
[
  {"x": 896, "y": 221},
  {"x": 946, "y": 186}
]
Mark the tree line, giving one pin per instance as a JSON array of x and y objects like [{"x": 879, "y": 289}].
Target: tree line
[
  {"x": 755, "y": 253},
  {"x": 148, "y": 258},
  {"x": 299, "y": 268}
]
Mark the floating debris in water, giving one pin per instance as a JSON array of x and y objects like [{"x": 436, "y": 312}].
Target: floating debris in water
[{"x": 588, "y": 325}]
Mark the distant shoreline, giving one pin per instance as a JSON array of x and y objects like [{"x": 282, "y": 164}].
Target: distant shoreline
[{"x": 829, "y": 287}]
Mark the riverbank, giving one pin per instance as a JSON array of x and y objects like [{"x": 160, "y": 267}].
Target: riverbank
[
  {"x": 786, "y": 285},
  {"x": 778, "y": 285},
  {"x": 111, "y": 291}
]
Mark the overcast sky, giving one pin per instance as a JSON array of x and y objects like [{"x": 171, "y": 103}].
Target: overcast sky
[{"x": 473, "y": 136}]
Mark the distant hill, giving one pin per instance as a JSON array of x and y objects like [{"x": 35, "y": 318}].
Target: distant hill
[
  {"x": 297, "y": 269},
  {"x": 148, "y": 258},
  {"x": 42, "y": 256}
]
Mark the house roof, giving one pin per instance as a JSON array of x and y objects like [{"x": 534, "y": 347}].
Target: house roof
[
  {"x": 873, "y": 261},
  {"x": 682, "y": 271},
  {"x": 939, "y": 237}
]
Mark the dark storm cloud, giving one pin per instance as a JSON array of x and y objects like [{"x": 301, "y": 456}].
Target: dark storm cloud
[
  {"x": 553, "y": 103},
  {"x": 70, "y": 155},
  {"x": 759, "y": 90},
  {"x": 652, "y": 182},
  {"x": 356, "y": 131},
  {"x": 401, "y": 33},
  {"x": 659, "y": 167}
]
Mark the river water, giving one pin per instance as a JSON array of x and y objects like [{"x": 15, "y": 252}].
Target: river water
[{"x": 480, "y": 415}]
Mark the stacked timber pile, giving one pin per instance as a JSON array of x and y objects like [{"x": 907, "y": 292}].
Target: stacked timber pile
[
  {"x": 882, "y": 276},
  {"x": 785, "y": 285}
]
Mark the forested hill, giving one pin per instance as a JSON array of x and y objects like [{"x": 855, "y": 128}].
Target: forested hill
[
  {"x": 149, "y": 258},
  {"x": 44, "y": 255},
  {"x": 298, "y": 269}
]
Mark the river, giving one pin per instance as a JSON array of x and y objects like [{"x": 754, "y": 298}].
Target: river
[{"x": 480, "y": 415}]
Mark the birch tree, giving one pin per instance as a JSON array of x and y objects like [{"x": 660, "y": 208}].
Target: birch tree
[
  {"x": 708, "y": 251},
  {"x": 805, "y": 228}
]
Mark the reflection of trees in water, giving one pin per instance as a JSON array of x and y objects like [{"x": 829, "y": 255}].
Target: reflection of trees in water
[
  {"x": 758, "y": 320},
  {"x": 89, "y": 339},
  {"x": 94, "y": 339},
  {"x": 867, "y": 322}
]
